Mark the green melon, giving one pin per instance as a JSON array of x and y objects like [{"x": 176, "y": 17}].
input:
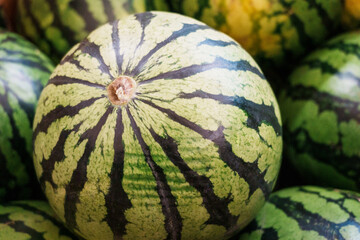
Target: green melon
[
  {"x": 274, "y": 32},
  {"x": 307, "y": 212},
  {"x": 55, "y": 26},
  {"x": 157, "y": 127},
  {"x": 321, "y": 114},
  {"x": 30, "y": 220},
  {"x": 24, "y": 71}
]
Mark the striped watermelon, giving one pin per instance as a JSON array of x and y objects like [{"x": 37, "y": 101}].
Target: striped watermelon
[
  {"x": 30, "y": 220},
  {"x": 321, "y": 113},
  {"x": 351, "y": 15},
  {"x": 24, "y": 71},
  {"x": 55, "y": 26},
  {"x": 157, "y": 127},
  {"x": 307, "y": 213},
  {"x": 274, "y": 32}
]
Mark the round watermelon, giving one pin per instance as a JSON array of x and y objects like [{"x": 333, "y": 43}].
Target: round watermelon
[
  {"x": 24, "y": 71},
  {"x": 321, "y": 114},
  {"x": 55, "y": 26},
  {"x": 30, "y": 220},
  {"x": 351, "y": 15},
  {"x": 157, "y": 127},
  {"x": 274, "y": 32},
  {"x": 307, "y": 212}
]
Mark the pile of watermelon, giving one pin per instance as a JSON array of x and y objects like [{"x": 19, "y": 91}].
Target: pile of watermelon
[{"x": 169, "y": 119}]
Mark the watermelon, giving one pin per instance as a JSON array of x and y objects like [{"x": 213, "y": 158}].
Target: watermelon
[
  {"x": 55, "y": 26},
  {"x": 25, "y": 220},
  {"x": 274, "y": 32},
  {"x": 24, "y": 71},
  {"x": 307, "y": 212},
  {"x": 350, "y": 18},
  {"x": 157, "y": 127},
  {"x": 321, "y": 114}
]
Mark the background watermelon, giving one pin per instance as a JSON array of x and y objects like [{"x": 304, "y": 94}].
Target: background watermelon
[
  {"x": 192, "y": 153},
  {"x": 307, "y": 212},
  {"x": 22, "y": 220},
  {"x": 55, "y": 26},
  {"x": 24, "y": 71},
  {"x": 276, "y": 32},
  {"x": 321, "y": 114}
]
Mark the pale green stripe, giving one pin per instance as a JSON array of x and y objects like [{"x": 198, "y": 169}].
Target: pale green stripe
[{"x": 145, "y": 217}]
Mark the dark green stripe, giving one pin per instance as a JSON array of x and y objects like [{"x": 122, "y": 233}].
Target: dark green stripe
[
  {"x": 144, "y": 20},
  {"x": 344, "y": 46},
  {"x": 63, "y": 80},
  {"x": 257, "y": 113},
  {"x": 327, "y": 154},
  {"x": 16, "y": 142},
  {"x": 117, "y": 200},
  {"x": 94, "y": 51},
  {"x": 33, "y": 55},
  {"x": 57, "y": 22},
  {"x": 26, "y": 62},
  {"x": 108, "y": 10},
  {"x": 217, "y": 43},
  {"x": 328, "y": 23},
  {"x": 309, "y": 221},
  {"x": 215, "y": 206},
  {"x": 19, "y": 226},
  {"x": 345, "y": 110},
  {"x": 203, "y": 4},
  {"x": 184, "y": 31},
  {"x": 57, "y": 155},
  {"x": 79, "y": 178},
  {"x": 173, "y": 220},
  {"x": 241, "y": 65},
  {"x": 249, "y": 171},
  {"x": 338, "y": 202},
  {"x": 60, "y": 112},
  {"x": 304, "y": 39},
  {"x": 62, "y": 230},
  {"x": 82, "y": 8},
  {"x": 36, "y": 24},
  {"x": 325, "y": 67},
  {"x": 27, "y": 107}
]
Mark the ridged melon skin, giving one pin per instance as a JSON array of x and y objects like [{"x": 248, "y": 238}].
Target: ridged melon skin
[
  {"x": 193, "y": 155},
  {"x": 24, "y": 71},
  {"x": 350, "y": 19},
  {"x": 321, "y": 114},
  {"x": 27, "y": 220},
  {"x": 274, "y": 32},
  {"x": 55, "y": 26},
  {"x": 306, "y": 212}
]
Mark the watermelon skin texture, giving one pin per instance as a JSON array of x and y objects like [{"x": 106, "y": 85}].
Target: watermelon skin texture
[
  {"x": 321, "y": 114},
  {"x": 55, "y": 26},
  {"x": 193, "y": 155},
  {"x": 306, "y": 212},
  {"x": 274, "y": 32},
  {"x": 24, "y": 71},
  {"x": 26, "y": 220}
]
